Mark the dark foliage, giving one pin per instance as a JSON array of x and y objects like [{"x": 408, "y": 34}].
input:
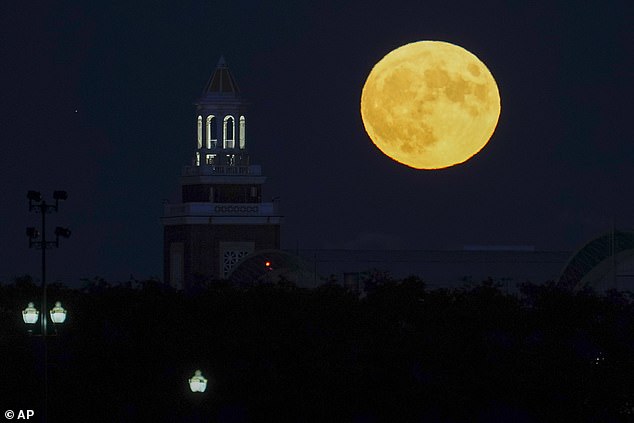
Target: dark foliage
[{"x": 280, "y": 353}]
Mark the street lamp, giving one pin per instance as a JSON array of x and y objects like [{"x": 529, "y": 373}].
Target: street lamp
[
  {"x": 30, "y": 314},
  {"x": 58, "y": 313},
  {"x": 198, "y": 383}
]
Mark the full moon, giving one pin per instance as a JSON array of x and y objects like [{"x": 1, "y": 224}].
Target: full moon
[{"x": 430, "y": 105}]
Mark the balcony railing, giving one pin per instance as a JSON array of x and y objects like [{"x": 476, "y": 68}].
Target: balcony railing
[
  {"x": 254, "y": 170},
  {"x": 221, "y": 209}
]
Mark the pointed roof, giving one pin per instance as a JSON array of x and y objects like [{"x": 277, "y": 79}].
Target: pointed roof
[{"x": 222, "y": 81}]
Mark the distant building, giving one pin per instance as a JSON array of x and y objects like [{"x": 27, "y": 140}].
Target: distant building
[
  {"x": 603, "y": 263},
  {"x": 507, "y": 266},
  {"x": 221, "y": 218}
]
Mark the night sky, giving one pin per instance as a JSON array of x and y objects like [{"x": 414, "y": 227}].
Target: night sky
[{"x": 97, "y": 99}]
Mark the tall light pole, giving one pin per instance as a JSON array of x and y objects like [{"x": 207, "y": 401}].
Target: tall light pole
[{"x": 37, "y": 204}]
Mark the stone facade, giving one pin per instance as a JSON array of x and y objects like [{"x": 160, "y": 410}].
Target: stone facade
[{"x": 206, "y": 249}]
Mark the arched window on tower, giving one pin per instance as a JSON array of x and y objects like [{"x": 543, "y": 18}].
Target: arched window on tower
[
  {"x": 200, "y": 132},
  {"x": 212, "y": 138},
  {"x": 228, "y": 132},
  {"x": 243, "y": 133}
]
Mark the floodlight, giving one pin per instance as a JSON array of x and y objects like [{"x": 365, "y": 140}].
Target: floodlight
[
  {"x": 60, "y": 195},
  {"x": 63, "y": 232},
  {"x": 32, "y": 233},
  {"x": 34, "y": 196}
]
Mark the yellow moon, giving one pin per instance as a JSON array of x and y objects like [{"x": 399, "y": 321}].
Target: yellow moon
[{"x": 430, "y": 105}]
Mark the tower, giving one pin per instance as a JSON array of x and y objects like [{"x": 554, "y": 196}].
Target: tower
[{"x": 221, "y": 217}]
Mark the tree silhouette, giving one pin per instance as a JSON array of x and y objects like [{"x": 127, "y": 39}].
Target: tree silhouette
[{"x": 276, "y": 352}]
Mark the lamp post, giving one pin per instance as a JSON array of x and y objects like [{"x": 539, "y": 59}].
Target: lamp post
[
  {"x": 198, "y": 385},
  {"x": 37, "y": 239},
  {"x": 39, "y": 205}
]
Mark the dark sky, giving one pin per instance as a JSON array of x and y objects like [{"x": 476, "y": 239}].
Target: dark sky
[{"x": 557, "y": 171}]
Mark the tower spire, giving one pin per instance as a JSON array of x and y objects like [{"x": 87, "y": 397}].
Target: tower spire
[{"x": 221, "y": 81}]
